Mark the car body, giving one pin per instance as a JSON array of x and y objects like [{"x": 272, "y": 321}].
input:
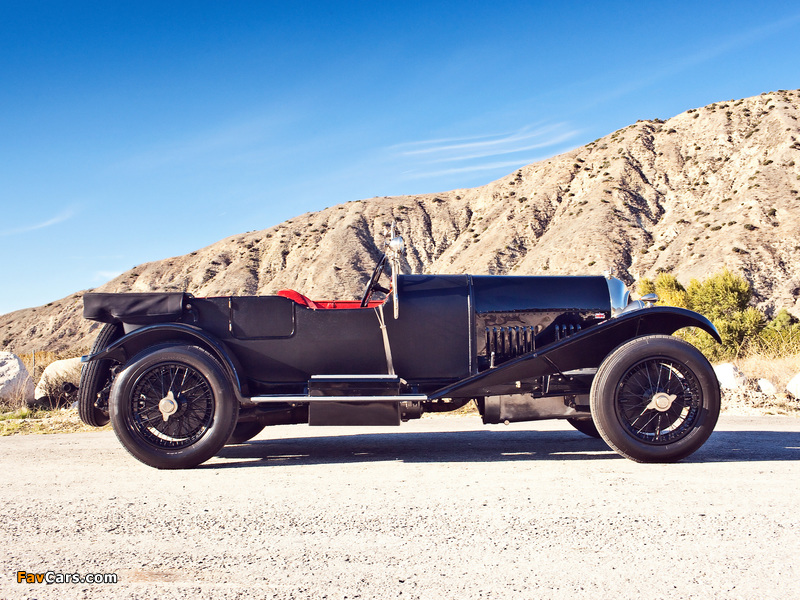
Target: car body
[{"x": 179, "y": 376}]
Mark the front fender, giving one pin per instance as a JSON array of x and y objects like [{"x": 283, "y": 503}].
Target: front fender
[
  {"x": 584, "y": 350},
  {"x": 142, "y": 338}
]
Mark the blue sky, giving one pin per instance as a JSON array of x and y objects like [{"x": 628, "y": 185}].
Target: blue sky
[{"x": 132, "y": 131}]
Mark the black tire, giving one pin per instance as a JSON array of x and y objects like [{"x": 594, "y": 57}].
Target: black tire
[
  {"x": 95, "y": 376},
  {"x": 585, "y": 426},
  {"x": 173, "y": 407},
  {"x": 245, "y": 431},
  {"x": 655, "y": 399}
]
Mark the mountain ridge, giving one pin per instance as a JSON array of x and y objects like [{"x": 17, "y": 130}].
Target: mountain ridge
[{"x": 710, "y": 188}]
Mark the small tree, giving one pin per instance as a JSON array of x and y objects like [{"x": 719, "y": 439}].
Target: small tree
[
  {"x": 720, "y": 296},
  {"x": 723, "y": 298}
]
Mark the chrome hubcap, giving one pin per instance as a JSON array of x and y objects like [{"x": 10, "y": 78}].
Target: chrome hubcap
[
  {"x": 661, "y": 402},
  {"x": 168, "y": 406}
]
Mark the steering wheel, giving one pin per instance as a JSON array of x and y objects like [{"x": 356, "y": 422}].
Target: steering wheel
[{"x": 373, "y": 285}]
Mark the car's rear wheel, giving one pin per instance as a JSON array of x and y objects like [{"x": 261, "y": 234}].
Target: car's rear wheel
[
  {"x": 585, "y": 426},
  {"x": 245, "y": 431},
  {"x": 173, "y": 408},
  {"x": 95, "y": 377},
  {"x": 655, "y": 399}
]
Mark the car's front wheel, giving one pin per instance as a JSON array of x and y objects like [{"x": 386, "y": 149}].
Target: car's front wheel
[
  {"x": 655, "y": 399},
  {"x": 173, "y": 408}
]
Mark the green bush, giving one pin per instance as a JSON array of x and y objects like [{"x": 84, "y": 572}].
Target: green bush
[
  {"x": 780, "y": 337},
  {"x": 724, "y": 299}
]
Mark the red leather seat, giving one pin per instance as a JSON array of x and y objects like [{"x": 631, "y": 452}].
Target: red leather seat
[{"x": 299, "y": 298}]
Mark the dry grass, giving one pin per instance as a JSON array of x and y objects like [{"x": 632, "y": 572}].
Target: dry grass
[
  {"x": 16, "y": 417},
  {"x": 36, "y": 363},
  {"x": 778, "y": 369},
  {"x": 32, "y": 421},
  {"x": 13, "y": 402},
  {"x": 469, "y": 409}
]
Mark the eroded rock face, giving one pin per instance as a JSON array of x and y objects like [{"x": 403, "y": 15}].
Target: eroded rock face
[
  {"x": 16, "y": 384},
  {"x": 710, "y": 188}
]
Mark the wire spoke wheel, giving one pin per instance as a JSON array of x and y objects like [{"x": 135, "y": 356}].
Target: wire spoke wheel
[
  {"x": 655, "y": 399},
  {"x": 176, "y": 387},
  {"x": 173, "y": 407},
  {"x": 658, "y": 400}
]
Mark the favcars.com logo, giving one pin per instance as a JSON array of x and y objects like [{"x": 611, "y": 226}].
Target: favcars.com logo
[{"x": 51, "y": 577}]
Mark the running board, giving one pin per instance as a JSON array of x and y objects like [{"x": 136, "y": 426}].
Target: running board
[{"x": 303, "y": 398}]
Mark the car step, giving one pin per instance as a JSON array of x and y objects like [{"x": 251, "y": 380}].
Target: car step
[{"x": 349, "y": 388}]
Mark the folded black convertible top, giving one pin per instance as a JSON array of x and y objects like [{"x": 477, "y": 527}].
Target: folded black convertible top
[{"x": 134, "y": 308}]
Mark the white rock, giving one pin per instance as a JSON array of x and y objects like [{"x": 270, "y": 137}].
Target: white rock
[
  {"x": 766, "y": 386},
  {"x": 55, "y": 374},
  {"x": 730, "y": 377},
  {"x": 793, "y": 387},
  {"x": 15, "y": 381}
]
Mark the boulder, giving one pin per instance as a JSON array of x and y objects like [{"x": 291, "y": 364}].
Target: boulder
[
  {"x": 766, "y": 386},
  {"x": 793, "y": 387},
  {"x": 16, "y": 385},
  {"x": 50, "y": 389},
  {"x": 730, "y": 377}
]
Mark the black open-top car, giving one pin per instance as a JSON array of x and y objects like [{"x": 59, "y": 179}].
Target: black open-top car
[{"x": 179, "y": 376}]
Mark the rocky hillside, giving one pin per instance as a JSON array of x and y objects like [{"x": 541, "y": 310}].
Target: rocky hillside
[{"x": 712, "y": 187}]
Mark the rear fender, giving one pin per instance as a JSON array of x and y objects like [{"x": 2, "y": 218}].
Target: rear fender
[
  {"x": 174, "y": 333},
  {"x": 583, "y": 350}
]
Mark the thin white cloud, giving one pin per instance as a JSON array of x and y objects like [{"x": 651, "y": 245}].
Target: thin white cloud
[
  {"x": 563, "y": 137},
  {"x": 474, "y": 153},
  {"x": 511, "y": 165},
  {"x": 59, "y": 218},
  {"x": 449, "y": 140},
  {"x": 488, "y": 141}
]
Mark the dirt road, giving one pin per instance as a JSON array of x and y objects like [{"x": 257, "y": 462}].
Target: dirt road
[{"x": 438, "y": 508}]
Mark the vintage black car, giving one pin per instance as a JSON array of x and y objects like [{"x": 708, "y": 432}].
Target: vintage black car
[{"x": 179, "y": 376}]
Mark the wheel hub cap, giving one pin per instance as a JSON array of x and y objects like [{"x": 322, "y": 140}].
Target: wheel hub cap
[
  {"x": 168, "y": 406},
  {"x": 661, "y": 401}
]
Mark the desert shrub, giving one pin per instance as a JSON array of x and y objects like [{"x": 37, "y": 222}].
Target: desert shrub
[
  {"x": 719, "y": 296},
  {"x": 36, "y": 363},
  {"x": 723, "y": 298},
  {"x": 670, "y": 291},
  {"x": 780, "y": 337}
]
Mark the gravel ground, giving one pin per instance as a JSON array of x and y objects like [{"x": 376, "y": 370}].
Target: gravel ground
[{"x": 438, "y": 508}]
